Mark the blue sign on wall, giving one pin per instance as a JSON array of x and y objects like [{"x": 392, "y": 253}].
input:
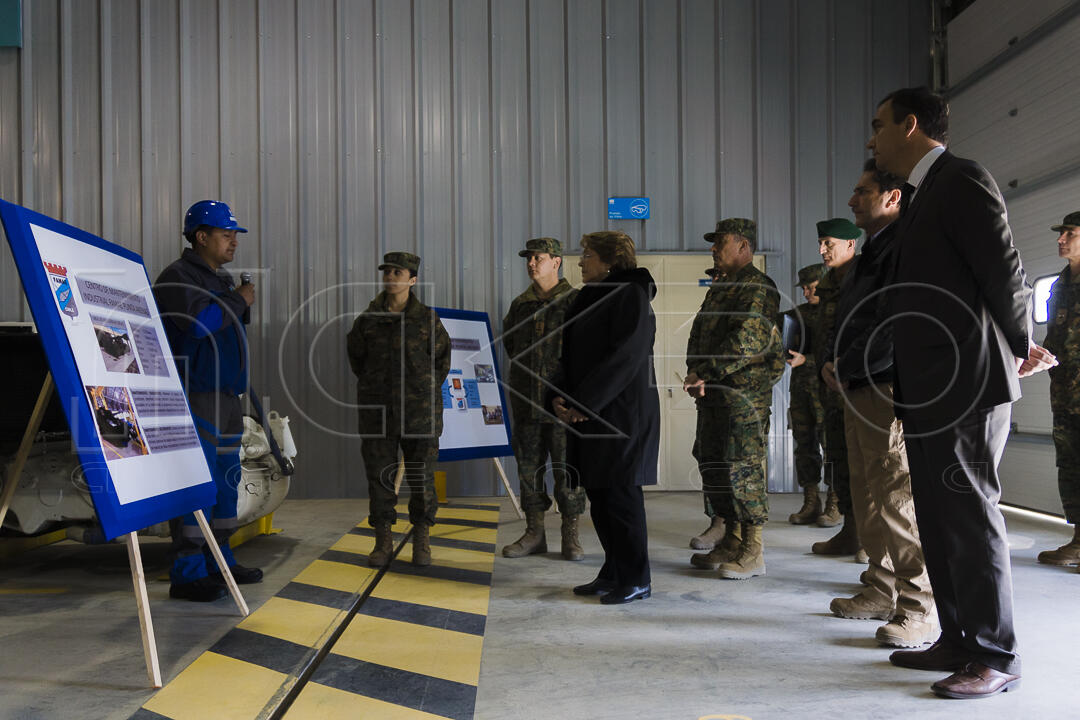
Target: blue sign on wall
[
  {"x": 10, "y": 23},
  {"x": 628, "y": 208}
]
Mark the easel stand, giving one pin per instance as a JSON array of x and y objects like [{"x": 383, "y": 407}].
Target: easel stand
[
  {"x": 138, "y": 577},
  {"x": 498, "y": 466}
]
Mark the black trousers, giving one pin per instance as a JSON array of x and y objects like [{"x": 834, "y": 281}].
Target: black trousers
[
  {"x": 618, "y": 515},
  {"x": 955, "y": 484}
]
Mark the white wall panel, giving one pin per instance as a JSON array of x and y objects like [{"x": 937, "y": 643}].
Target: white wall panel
[
  {"x": 1020, "y": 117},
  {"x": 986, "y": 28},
  {"x": 340, "y": 129},
  {"x": 1018, "y": 120}
]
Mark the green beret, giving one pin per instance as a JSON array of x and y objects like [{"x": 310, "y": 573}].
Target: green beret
[
  {"x": 841, "y": 228},
  {"x": 1071, "y": 220},
  {"x": 551, "y": 246},
  {"x": 403, "y": 260},
  {"x": 735, "y": 226},
  {"x": 811, "y": 273}
]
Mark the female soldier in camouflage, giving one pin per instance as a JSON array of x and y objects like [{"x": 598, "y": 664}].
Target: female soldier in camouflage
[{"x": 400, "y": 354}]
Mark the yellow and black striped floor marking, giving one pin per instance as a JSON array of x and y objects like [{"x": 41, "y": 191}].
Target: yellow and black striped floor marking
[{"x": 343, "y": 640}]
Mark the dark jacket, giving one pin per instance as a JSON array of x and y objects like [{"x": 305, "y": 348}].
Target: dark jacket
[
  {"x": 204, "y": 319},
  {"x": 863, "y": 349},
  {"x": 399, "y": 371},
  {"x": 606, "y": 372},
  {"x": 961, "y": 304}
]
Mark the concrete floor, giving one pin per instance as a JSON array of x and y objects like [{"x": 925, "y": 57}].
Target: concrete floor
[{"x": 764, "y": 648}]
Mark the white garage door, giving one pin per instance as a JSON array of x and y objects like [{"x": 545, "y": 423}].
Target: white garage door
[{"x": 1015, "y": 107}]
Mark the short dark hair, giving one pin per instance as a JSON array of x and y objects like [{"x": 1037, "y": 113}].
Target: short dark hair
[
  {"x": 885, "y": 181},
  {"x": 190, "y": 236},
  {"x": 614, "y": 248},
  {"x": 930, "y": 110}
]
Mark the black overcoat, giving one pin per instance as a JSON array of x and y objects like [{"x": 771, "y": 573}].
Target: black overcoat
[{"x": 606, "y": 372}]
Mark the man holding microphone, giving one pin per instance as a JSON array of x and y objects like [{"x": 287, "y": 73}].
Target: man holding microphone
[{"x": 204, "y": 314}]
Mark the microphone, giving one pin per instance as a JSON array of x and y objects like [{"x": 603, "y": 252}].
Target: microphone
[{"x": 245, "y": 278}]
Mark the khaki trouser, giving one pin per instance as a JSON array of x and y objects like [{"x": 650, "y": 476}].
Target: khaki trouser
[{"x": 882, "y": 503}]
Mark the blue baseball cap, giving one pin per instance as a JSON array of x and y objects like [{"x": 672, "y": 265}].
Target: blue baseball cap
[{"x": 213, "y": 213}]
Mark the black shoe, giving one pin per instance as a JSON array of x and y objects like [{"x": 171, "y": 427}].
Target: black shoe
[
  {"x": 242, "y": 575},
  {"x": 938, "y": 657},
  {"x": 201, "y": 590},
  {"x": 626, "y": 593},
  {"x": 599, "y": 586}
]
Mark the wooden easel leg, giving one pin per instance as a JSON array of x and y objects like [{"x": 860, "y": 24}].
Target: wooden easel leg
[
  {"x": 146, "y": 624},
  {"x": 399, "y": 476},
  {"x": 23, "y": 453},
  {"x": 509, "y": 490},
  {"x": 234, "y": 590}
]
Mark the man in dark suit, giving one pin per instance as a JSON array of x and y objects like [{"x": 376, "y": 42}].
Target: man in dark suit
[{"x": 961, "y": 314}]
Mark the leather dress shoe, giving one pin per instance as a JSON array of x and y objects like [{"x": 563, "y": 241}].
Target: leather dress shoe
[
  {"x": 975, "y": 681},
  {"x": 626, "y": 593},
  {"x": 599, "y": 586},
  {"x": 242, "y": 575},
  {"x": 937, "y": 657}
]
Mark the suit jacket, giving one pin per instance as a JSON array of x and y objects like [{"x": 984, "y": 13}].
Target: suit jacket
[{"x": 961, "y": 304}]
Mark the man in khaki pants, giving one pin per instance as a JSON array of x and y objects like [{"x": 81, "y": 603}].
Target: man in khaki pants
[{"x": 898, "y": 586}]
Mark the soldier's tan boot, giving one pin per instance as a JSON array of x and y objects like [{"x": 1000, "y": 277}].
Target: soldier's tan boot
[
  {"x": 811, "y": 507},
  {"x": 1067, "y": 554},
  {"x": 421, "y": 545},
  {"x": 712, "y": 534},
  {"x": 725, "y": 550},
  {"x": 384, "y": 547},
  {"x": 533, "y": 541},
  {"x": 750, "y": 560},
  {"x": 830, "y": 516},
  {"x": 845, "y": 542},
  {"x": 571, "y": 547}
]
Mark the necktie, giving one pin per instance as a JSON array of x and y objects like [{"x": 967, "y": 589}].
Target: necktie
[{"x": 905, "y": 197}]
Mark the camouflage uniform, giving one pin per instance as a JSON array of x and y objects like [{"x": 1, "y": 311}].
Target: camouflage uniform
[
  {"x": 400, "y": 360},
  {"x": 836, "y": 462},
  {"x": 806, "y": 416},
  {"x": 735, "y": 346},
  {"x": 532, "y": 337},
  {"x": 1063, "y": 340}
]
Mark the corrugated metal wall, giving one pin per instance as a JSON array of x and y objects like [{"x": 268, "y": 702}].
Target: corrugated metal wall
[{"x": 456, "y": 129}]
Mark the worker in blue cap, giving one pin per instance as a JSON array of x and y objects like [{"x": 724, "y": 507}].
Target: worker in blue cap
[{"x": 204, "y": 314}]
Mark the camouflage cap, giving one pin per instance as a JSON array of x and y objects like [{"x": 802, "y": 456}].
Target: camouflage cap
[
  {"x": 403, "y": 260},
  {"x": 1071, "y": 220},
  {"x": 736, "y": 226},
  {"x": 551, "y": 246},
  {"x": 840, "y": 228},
  {"x": 811, "y": 273}
]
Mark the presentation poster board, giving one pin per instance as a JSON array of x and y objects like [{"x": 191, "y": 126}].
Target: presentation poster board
[
  {"x": 476, "y": 423},
  {"x": 108, "y": 354}
]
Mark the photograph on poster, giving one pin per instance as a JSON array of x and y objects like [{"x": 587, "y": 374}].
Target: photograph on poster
[
  {"x": 484, "y": 373},
  {"x": 115, "y": 343},
  {"x": 116, "y": 422}
]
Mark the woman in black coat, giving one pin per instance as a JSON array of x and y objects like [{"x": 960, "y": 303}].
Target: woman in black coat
[{"x": 606, "y": 392}]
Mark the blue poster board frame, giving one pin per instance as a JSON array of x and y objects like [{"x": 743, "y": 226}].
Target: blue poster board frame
[
  {"x": 115, "y": 518},
  {"x": 484, "y": 451}
]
